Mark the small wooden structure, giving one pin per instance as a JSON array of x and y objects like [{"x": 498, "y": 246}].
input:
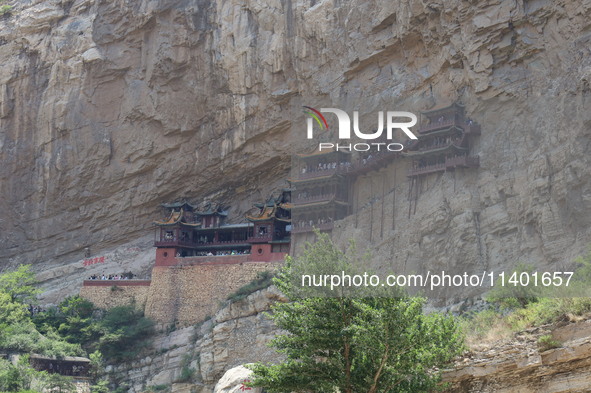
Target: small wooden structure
[
  {"x": 444, "y": 142},
  {"x": 71, "y": 366}
]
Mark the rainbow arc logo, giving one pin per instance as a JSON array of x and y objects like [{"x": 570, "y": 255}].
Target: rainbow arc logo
[
  {"x": 317, "y": 116},
  {"x": 388, "y": 122}
]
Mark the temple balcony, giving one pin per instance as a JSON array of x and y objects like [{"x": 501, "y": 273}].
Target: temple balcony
[
  {"x": 436, "y": 146},
  {"x": 309, "y": 228},
  {"x": 221, "y": 243},
  {"x": 377, "y": 161},
  {"x": 424, "y": 170},
  {"x": 449, "y": 164},
  {"x": 438, "y": 125},
  {"x": 439, "y": 148},
  {"x": 267, "y": 237},
  {"x": 174, "y": 243},
  {"x": 314, "y": 173},
  {"x": 315, "y": 198},
  {"x": 469, "y": 126}
]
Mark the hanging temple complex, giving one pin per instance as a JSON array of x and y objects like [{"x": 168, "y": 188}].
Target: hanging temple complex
[{"x": 201, "y": 259}]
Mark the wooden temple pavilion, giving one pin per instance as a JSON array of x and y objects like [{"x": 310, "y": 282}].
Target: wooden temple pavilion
[
  {"x": 190, "y": 232},
  {"x": 444, "y": 142},
  {"x": 320, "y": 190},
  {"x": 272, "y": 222}
]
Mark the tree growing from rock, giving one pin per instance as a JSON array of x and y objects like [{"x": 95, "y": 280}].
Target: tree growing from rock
[{"x": 351, "y": 340}]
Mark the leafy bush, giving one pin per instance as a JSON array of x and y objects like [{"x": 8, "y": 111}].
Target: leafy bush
[
  {"x": 187, "y": 372},
  {"x": 118, "y": 333},
  {"x": 158, "y": 388},
  {"x": 509, "y": 296},
  {"x": 101, "y": 386},
  {"x": 548, "y": 342},
  {"x": 124, "y": 330},
  {"x": 17, "y": 331},
  {"x": 20, "y": 284},
  {"x": 73, "y": 319},
  {"x": 262, "y": 280},
  {"x": 19, "y": 377},
  {"x": 5, "y": 9},
  {"x": 59, "y": 384}
]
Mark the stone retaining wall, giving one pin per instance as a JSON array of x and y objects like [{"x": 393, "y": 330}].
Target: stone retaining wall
[
  {"x": 189, "y": 294},
  {"x": 112, "y": 293}
]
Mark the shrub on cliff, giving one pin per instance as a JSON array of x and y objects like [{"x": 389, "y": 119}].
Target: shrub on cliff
[
  {"x": 124, "y": 331},
  {"x": 261, "y": 281},
  {"x": 353, "y": 342},
  {"x": 5, "y": 8},
  {"x": 119, "y": 333},
  {"x": 513, "y": 308}
]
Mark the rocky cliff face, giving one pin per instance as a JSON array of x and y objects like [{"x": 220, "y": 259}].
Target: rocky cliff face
[
  {"x": 522, "y": 366},
  {"x": 108, "y": 108},
  {"x": 237, "y": 334},
  {"x": 111, "y": 107}
]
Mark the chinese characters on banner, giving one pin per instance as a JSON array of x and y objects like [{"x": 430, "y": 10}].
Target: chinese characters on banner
[{"x": 92, "y": 261}]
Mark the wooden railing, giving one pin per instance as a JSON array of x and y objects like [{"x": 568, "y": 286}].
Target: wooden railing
[
  {"x": 119, "y": 283},
  {"x": 315, "y": 198},
  {"x": 439, "y": 125},
  {"x": 173, "y": 243},
  {"x": 221, "y": 243},
  {"x": 450, "y": 163},
  {"x": 186, "y": 243},
  {"x": 314, "y": 173},
  {"x": 260, "y": 238}
]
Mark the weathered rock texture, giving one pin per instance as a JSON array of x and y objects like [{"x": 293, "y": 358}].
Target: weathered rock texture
[
  {"x": 108, "y": 108},
  {"x": 65, "y": 279},
  {"x": 522, "y": 366},
  {"x": 237, "y": 334},
  {"x": 233, "y": 381}
]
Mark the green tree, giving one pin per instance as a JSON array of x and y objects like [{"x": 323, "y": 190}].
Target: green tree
[
  {"x": 59, "y": 383},
  {"x": 19, "y": 376},
  {"x": 72, "y": 319},
  {"x": 11, "y": 312},
  {"x": 17, "y": 331},
  {"x": 20, "y": 284},
  {"x": 124, "y": 331},
  {"x": 353, "y": 343}
]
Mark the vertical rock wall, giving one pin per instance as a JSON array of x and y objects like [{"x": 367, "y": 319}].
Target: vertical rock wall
[{"x": 111, "y": 107}]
